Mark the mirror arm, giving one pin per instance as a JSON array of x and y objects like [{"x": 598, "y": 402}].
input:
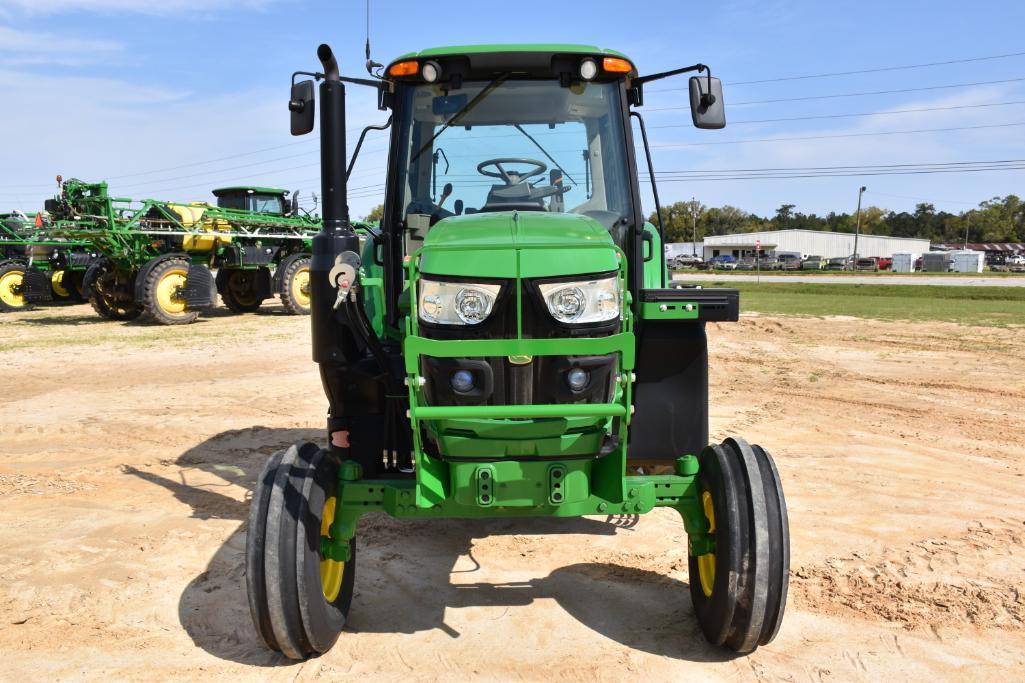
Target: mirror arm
[
  {"x": 651, "y": 174},
  {"x": 638, "y": 83},
  {"x": 318, "y": 76},
  {"x": 675, "y": 72}
]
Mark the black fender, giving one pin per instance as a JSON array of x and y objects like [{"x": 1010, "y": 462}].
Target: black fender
[
  {"x": 200, "y": 288},
  {"x": 35, "y": 286},
  {"x": 140, "y": 277},
  {"x": 279, "y": 272}
]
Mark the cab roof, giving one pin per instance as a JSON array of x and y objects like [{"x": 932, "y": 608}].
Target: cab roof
[
  {"x": 496, "y": 48},
  {"x": 249, "y": 189}
]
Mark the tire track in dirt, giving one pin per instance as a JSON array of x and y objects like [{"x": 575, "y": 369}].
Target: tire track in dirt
[{"x": 972, "y": 579}]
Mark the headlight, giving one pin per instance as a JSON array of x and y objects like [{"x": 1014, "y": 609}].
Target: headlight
[
  {"x": 588, "y": 301},
  {"x": 456, "y": 303}
]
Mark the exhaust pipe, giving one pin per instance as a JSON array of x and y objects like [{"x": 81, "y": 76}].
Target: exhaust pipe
[
  {"x": 330, "y": 337},
  {"x": 327, "y": 59}
]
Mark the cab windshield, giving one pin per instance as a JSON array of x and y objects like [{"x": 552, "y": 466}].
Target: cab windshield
[{"x": 509, "y": 145}]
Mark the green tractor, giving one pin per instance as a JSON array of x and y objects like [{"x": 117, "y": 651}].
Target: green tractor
[
  {"x": 515, "y": 352},
  {"x": 157, "y": 257},
  {"x": 36, "y": 266}
]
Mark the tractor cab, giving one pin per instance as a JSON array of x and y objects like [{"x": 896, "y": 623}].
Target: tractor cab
[{"x": 266, "y": 200}]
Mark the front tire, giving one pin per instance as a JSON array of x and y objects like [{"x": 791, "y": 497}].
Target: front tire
[
  {"x": 739, "y": 591},
  {"x": 12, "y": 279},
  {"x": 295, "y": 287},
  {"x": 162, "y": 297},
  {"x": 238, "y": 291},
  {"x": 299, "y": 599},
  {"x": 111, "y": 292}
]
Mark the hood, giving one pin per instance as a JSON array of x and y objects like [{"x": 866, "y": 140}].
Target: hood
[{"x": 508, "y": 244}]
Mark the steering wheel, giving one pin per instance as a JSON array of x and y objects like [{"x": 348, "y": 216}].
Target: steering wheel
[{"x": 511, "y": 177}]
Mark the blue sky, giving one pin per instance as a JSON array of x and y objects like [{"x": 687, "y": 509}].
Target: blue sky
[{"x": 170, "y": 98}]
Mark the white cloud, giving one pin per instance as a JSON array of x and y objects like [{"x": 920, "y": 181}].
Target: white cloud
[
  {"x": 18, "y": 47},
  {"x": 151, "y": 7}
]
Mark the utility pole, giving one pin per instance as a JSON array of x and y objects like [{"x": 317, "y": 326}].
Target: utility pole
[
  {"x": 857, "y": 229},
  {"x": 694, "y": 225},
  {"x": 968, "y": 223}
]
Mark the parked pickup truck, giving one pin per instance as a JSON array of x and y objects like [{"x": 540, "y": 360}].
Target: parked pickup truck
[
  {"x": 869, "y": 263},
  {"x": 839, "y": 263},
  {"x": 789, "y": 261}
]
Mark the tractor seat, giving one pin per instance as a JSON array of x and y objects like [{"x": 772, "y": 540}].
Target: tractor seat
[{"x": 518, "y": 197}]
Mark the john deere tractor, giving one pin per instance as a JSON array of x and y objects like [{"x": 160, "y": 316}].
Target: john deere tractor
[
  {"x": 513, "y": 352},
  {"x": 157, "y": 256},
  {"x": 36, "y": 266}
]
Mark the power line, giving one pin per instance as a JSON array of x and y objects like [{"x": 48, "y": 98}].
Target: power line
[
  {"x": 847, "y": 116},
  {"x": 830, "y": 168},
  {"x": 856, "y": 94},
  {"x": 852, "y": 174},
  {"x": 873, "y": 70},
  {"x": 840, "y": 135}
]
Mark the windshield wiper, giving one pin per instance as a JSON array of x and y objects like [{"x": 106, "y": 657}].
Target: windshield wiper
[
  {"x": 488, "y": 89},
  {"x": 544, "y": 151}
]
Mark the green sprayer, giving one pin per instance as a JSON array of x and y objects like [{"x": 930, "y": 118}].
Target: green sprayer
[
  {"x": 37, "y": 266},
  {"x": 158, "y": 258}
]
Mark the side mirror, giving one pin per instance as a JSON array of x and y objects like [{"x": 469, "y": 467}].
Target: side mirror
[
  {"x": 302, "y": 108},
  {"x": 706, "y": 103}
]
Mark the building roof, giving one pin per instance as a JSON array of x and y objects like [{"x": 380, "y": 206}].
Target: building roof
[
  {"x": 752, "y": 236},
  {"x": 1009, "y": 247}
]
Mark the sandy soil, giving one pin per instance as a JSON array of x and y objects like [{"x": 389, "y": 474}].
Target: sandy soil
[{"x": 127, "y": 454}]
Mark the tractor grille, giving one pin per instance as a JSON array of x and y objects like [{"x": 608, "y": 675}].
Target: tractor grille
[{"x": 501, "y": 381}]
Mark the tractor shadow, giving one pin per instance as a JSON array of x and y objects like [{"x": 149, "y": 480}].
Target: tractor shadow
[{"x": 409, "y": 572}]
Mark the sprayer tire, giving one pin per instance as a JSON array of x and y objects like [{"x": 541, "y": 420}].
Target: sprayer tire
[
  {"x": 161, "y": 294},
  {"x": 295, "y": 287}
]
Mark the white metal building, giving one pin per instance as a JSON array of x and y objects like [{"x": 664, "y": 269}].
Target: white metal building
[{"x": 810, "y": 242}]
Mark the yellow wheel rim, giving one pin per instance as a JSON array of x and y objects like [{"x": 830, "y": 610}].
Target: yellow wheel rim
[
  {"x": 301, "y": 287},
  {"x": 168, "y": 291},
  {"x": 331, "y": 571},
  {"x": 10, "y": 288},
  {"x": 706, "y": 562},
  {"x": 57, "y": 282}
]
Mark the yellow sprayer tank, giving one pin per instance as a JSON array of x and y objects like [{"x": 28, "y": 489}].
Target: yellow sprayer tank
[{"x": 192, "y": 217}]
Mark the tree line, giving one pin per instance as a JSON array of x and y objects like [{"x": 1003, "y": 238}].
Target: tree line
[{"x": 1001, "y": 219}]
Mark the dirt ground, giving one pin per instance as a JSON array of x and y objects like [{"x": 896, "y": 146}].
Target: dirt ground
[{"x": 127, "y": 454}]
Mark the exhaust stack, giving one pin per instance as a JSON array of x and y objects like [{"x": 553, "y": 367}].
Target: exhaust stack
[{"x": 330, "y": 337}]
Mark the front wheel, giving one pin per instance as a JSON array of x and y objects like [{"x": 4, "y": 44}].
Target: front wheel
[
  {"x": 111, "y": 291},
  {"x": 12, "y": 279},
  {"x": 299, "y": 598},
  {"x": 239, "y": 292},
  {"x": 295, "y": 286},
  {"x": 163, "y": 294},
  {"x": 739, "y": 590}
]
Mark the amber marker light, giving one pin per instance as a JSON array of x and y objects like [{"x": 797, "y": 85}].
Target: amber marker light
[
  {"x": 408, "y": 68},
  {"x": 616, "y": 65}
]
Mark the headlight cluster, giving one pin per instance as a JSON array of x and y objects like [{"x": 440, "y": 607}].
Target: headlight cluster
[
  {"x": 456, "y": 303},
  {"x": 587, "y": 301},
  {"x": 577, "y": 302}
]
